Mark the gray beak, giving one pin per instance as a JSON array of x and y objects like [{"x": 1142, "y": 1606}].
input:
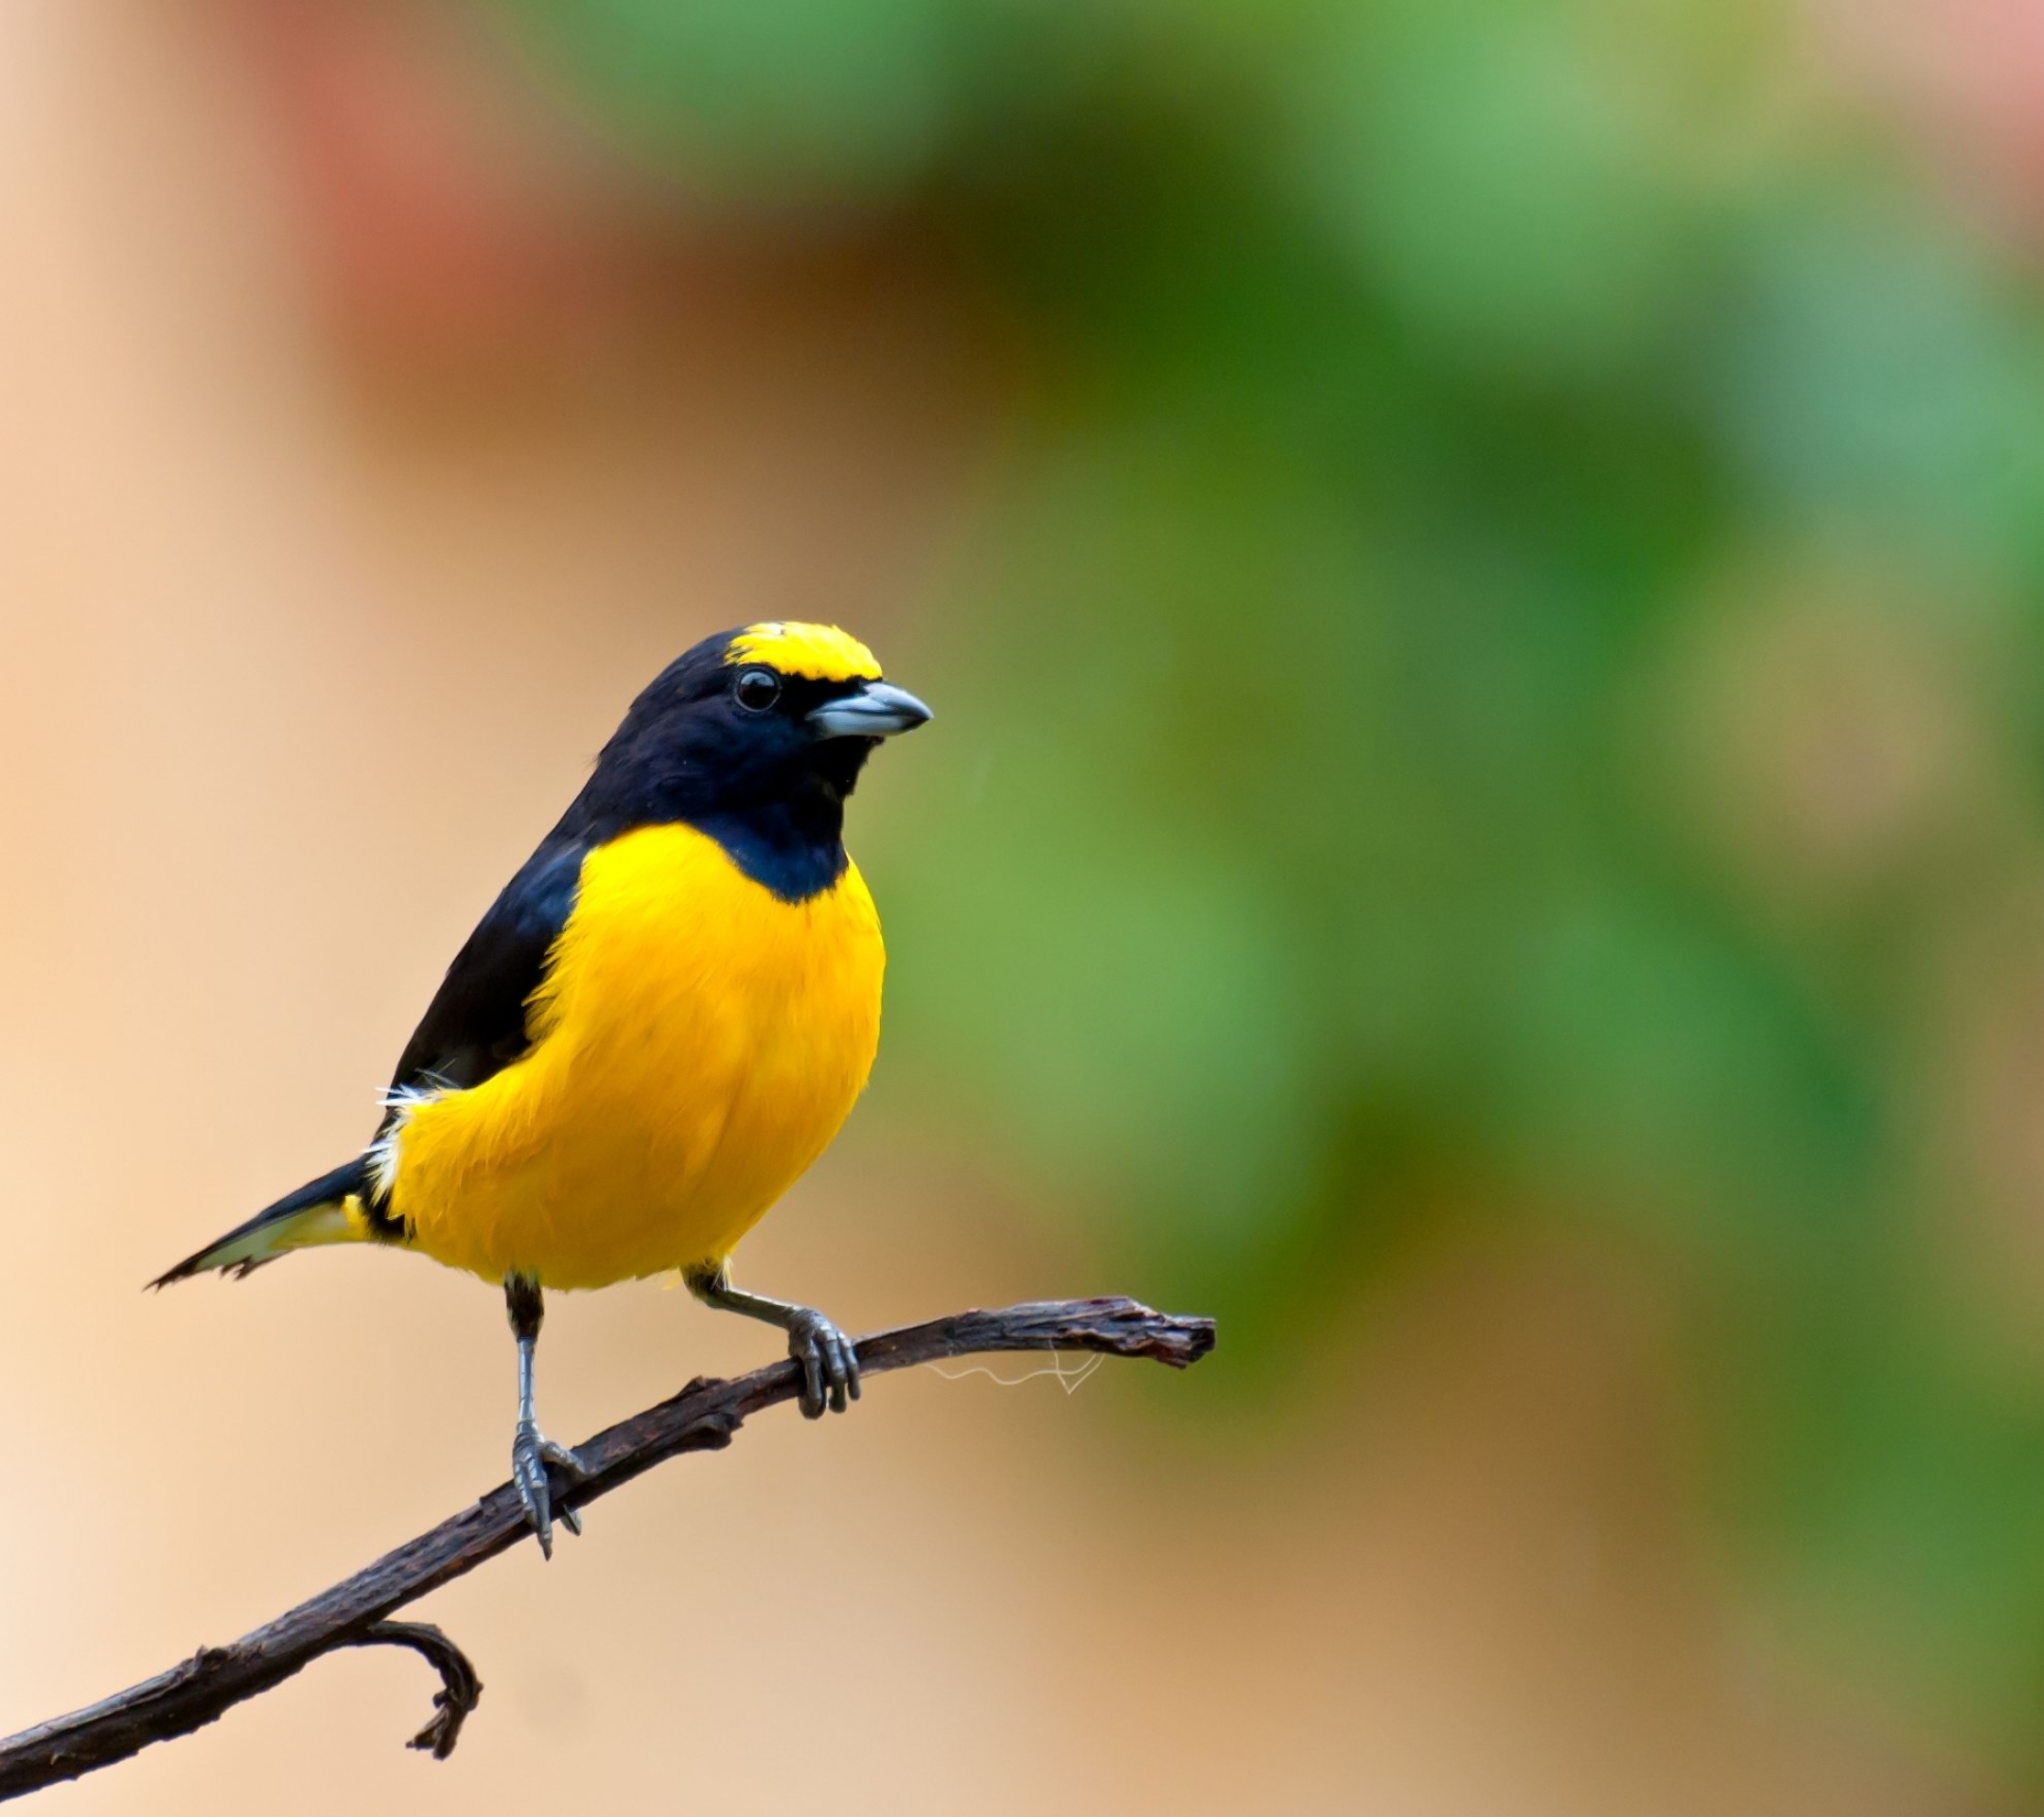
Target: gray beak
[{"x": 878, "y": 709}]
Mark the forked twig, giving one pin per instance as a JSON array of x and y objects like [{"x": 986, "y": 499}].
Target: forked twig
[{"x": 353, "y": 1613}]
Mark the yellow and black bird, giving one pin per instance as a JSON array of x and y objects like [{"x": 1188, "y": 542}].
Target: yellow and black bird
[{"x": 657, "y": 1027}]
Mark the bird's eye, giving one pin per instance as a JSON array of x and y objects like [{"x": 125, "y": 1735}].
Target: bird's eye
[{"x": 758, "y": 689}]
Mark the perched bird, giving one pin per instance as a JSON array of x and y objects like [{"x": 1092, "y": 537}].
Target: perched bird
[{"x": 656, "y": 1029}]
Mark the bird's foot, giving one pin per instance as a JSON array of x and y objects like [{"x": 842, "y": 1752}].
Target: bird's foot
[
  {"x": 829, "y": 1363},
  {"x": 532, "y": 1450}
]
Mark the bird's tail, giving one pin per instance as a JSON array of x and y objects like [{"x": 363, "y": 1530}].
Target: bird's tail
[{"x": 327, "y": 1209}]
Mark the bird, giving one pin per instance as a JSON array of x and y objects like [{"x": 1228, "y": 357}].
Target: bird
[{"x": 655, "y": 1030}]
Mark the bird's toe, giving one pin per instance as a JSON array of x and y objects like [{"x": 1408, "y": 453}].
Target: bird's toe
[
  {"x": 531, "y": 1453},
  {"x": 829, "y": 1363}
]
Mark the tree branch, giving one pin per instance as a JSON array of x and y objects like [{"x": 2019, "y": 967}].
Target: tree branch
[{"x": 702, "y": 1417}]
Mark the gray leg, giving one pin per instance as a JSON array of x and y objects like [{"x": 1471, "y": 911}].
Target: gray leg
[
  {"x": 829, "y": 1365},
  {"x": 532, "y": 1450}
]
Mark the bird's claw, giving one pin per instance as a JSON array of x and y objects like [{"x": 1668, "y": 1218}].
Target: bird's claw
[
  {"x": 829, "y": 1363},
  {"x": 532, "y": 1450}
]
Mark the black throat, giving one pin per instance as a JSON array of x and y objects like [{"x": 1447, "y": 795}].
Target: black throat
[
  {"x": 781, "y": 823},
  {"x": 794, "y": 848},
  {"x": 788, "y": 837}
]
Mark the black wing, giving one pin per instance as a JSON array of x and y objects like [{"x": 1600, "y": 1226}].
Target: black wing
[{"x": 475, "y": 1025}]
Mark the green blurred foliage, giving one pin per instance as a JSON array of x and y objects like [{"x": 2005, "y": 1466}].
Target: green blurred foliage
[{"x": 1368, "y": 796}]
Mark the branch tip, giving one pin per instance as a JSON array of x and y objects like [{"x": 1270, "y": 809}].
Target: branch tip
[{"x": 461, "y": 1689}]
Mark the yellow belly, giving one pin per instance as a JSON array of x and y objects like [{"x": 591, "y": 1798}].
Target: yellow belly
[{"x": 699, "y": 1042}]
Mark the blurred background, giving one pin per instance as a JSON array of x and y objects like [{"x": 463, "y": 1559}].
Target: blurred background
[{"x": 1479, "y": 566}]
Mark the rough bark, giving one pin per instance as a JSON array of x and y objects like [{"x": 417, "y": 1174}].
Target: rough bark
[{"x": 354, "y": 1611}]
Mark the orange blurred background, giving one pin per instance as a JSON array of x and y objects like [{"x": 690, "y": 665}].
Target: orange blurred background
[{"x": 374, "y": 421}]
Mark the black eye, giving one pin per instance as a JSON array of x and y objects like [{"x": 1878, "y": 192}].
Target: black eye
[{"x": 758, "y": 689}]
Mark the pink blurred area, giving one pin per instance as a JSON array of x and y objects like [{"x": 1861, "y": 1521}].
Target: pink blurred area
[
  {"x": 368, "y": 438},
  {"x": 1967, "y": 78}
]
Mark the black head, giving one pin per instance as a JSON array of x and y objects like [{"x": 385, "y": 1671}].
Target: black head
[{"x": 756, "y": 737}]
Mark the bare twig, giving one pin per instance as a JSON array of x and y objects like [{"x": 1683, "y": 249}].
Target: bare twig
[
  {"x": 702, "y": 1417},
  {"x": 461, "y": 1689}
]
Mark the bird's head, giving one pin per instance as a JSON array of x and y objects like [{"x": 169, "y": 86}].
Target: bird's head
[
  {"x": 810, "y": 695},
  {"x": 766, "y": 724}
]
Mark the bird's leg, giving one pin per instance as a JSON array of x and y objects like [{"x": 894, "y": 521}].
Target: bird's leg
[
  {"x": 829, "y": 1363},
  {"x": 532, "y": 1450}
]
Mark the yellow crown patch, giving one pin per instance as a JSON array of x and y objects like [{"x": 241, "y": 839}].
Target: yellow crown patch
[{"x": 813, "y": 652}]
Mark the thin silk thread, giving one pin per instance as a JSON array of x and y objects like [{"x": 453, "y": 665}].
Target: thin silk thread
[{"x": 1070, "y": 1380}]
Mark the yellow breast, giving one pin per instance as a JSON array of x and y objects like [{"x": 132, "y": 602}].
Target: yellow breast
[{"x": 698, "y": 1042}]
